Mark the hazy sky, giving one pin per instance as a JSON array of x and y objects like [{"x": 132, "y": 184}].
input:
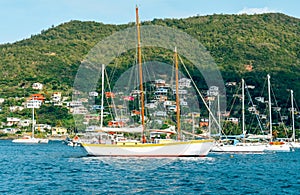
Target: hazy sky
[{"x": 21, "y": 18}]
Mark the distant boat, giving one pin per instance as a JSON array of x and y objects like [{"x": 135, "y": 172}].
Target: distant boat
[
  {"x": 26, "y": 140},
  {"x": 275, "y": 146},
  {"x": 240, "y": 147},
  {"x": 114, "y": 144},
  {"x": 31, "y": 139},
  {"x": 294, "y": 143}
]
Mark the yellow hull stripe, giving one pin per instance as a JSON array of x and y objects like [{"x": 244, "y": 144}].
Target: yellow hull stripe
[{"x": 138, "y": 144}]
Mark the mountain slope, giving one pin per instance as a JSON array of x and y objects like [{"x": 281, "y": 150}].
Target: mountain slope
[{"x": 269, "y": 43}]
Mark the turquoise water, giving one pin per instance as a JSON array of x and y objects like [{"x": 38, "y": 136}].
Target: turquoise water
[{"x": 55, "y": 168}]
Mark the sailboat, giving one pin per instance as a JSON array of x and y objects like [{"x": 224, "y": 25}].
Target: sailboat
[
  {"x": 293, "y": 142},
  {"x": 242, "y": 147},
  {"x": 31, "y": 139},
  {"x": 114, "y": 146},
  {"x": 274, "y": 146}
]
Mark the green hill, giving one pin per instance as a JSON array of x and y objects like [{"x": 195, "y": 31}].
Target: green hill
[{"x": 269, "y": 43}]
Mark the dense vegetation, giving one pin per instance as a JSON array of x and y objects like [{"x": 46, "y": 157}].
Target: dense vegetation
[{"x": 270, "y": 43}]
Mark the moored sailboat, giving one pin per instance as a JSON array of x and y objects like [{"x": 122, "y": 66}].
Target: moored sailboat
[
  {"x": 274, "y": 146},
  {"x": 241, "y": 147},
  {"x": 118, "y": 145},
  {"x": 31, "y": 139},
  {"x": 294, "y": 143}
]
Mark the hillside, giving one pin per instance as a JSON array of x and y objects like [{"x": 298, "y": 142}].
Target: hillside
[{"x": 267, "y": 43}]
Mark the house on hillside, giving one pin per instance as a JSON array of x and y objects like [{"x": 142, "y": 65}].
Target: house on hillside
[
  {"x": 24, "y": 123},
  {"x": 33, "y": 104},
  {"x": 93, "y": 94},
  {"x": 89, "y": 117},
  {"x": 42, "y": 127},
  {"x": 184, "y": 82},
  {"x": 38, "y": 86},
  {"x": 233, "y": 120},
  {"x": 10, "y": 121},
  {"x": 37, "y": 96},
  {"x": 160, "y": 83},
  {"x": 16, "y": 108},
  {"x": 56, "y": 96},
  {"x": 58, "y": 131}
]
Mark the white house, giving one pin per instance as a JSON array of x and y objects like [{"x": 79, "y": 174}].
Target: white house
[
  {"x": 233, "y": 119},
  {"x": 93, "y": 94},
  {"x": 180, "y": 91},
  {"x": 10, "y": 121},
  {"x": 168, "y": 103},
  {"x": 213, "y": 91},
  {"x": 59, "y": 131},
  {"x": 184, "y": 82},
  {"x": 38, "y": 86},
  {"x": 33, "y": 104},
  {"x": 10, "y": 130},
  {"x": 56, "y": 97},
  {"x": 161, "y": 91},
  {"x": 74, "y": 104},
  {"x": 24, "y": 123},
  {"x": 160, "y": 83},
  {"x": 42, "y": 127},
  {"x": 16, "y": 108}
]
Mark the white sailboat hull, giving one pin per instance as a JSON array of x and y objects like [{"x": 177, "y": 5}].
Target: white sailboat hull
[
  {"x": 194, "y": 148},
  {"x": 26, "y": 140},
  {"x": 241, "y": 148}
]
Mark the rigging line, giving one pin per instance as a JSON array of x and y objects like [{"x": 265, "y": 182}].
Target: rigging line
[
  {"x": 295, "y": 106},
  {"x": 112, "y": 98},
  {"x": 234, "y": 100},
  {"x": 279, "y": 113},
  {"x": 256, "y": 115},
  {"x": 201, "y": 96},
  {"x": 117, "y": 62}
]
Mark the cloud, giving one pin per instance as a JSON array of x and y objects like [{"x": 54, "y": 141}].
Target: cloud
[{"x": 251, "y": 11}]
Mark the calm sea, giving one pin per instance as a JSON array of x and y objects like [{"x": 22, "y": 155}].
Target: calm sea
[{"x": 55, "y": 168}]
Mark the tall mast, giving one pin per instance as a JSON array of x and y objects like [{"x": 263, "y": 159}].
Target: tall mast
[
  {"x": 32, "y": 134},
  {"x": 219, "y": 116},
  {"x": 140, "y": 70},
  {"x": 177, "y": 95},
  {"x": 102, "y": 96},
  {"x": 270, "y": 108},
  {"x": 293, "y": 119},
  {"x": 243, "y": 108}
]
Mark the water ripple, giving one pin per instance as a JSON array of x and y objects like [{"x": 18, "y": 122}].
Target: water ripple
[{"x": 59, "y": 169}]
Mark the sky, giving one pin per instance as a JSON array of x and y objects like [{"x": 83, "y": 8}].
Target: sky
[{"x": 19, "y": 19}]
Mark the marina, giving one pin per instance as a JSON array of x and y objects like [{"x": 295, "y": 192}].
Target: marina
[{"x": 159, "y": 97}]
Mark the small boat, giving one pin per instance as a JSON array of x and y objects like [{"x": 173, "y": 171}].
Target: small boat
[
  {"x": 32, "y": 139},
  {"x": 26, "y": 140}
]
